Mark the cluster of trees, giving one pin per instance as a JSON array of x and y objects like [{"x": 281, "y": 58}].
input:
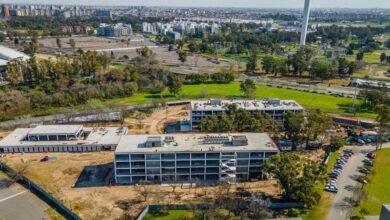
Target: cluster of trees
[
  {"x": 221, "y": 78},
  {"x": 297, "y": 177},
  {"x": 303, "y": 129},
  {"x": 374, "y": 97},
  {"x": 302, "y": 61},
  {"x": 329, "y": 69},
  {"x": 237, "y": 120},
  {"x": 74, "y": 79},
  {"x": 338, "y": 36}
]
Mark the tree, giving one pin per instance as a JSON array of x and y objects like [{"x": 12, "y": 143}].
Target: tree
[
  {"x": 360, "y": 56},
  {"x": 269, "y": 64},
  {"x": 299, "y": 61},
  {"x": 174, "y": 84},
  {"x": 294, "y": 126},
  {"x": 72, "y": 44},
  {"x": 252, "y": 61},
  {"x": 59, "y": 44},
  {"x": 383, "y": 57},
  {"x": 223, "y": 77},
  {"x": 383, "y": 120},
  {"x": 317, "y": 124},
  {"x": 144, "y": 189},
  {"x": 193, "y": 47},
  {"x": 32, "y": 47},
  {"x": 297, "y": 177},
  {"x": 126, "y": 205},
  {"x": 322, "y": 69},
  {"x": 248, "y": 87},
  {"x": 336, "y": 143},
  {"x": 144, "y": 52},
  {"x": 182, "y": 55}
]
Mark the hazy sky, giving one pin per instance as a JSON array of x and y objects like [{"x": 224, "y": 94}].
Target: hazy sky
[{"x": 222, "y": 3}]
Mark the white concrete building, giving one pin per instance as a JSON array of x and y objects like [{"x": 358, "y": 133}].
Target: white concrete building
[
  {"x": 62, "y": 138},
  {"x": 185, "y": 158},
  {"x": 273, "y": 107}
]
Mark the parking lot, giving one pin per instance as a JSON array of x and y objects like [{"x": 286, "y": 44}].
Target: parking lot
[
  {"x": 18, "y": 203},
  {"x": 347, "y": 181}
]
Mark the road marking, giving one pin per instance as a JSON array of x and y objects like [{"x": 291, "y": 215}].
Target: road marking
[{"x": 12, "y": 196}]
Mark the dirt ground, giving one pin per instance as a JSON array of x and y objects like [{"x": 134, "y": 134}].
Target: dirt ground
[
  {"x": 154, "y": 124},
  {"x": 92, "y": 43},
  {"x": 59, "y": 176}
]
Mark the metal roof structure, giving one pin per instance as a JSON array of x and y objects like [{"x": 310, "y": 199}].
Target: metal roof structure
[
  {"x": 8, "y": 54},
  {"x": 3, "y": 62},
  {"x": 55, "y": 129}
]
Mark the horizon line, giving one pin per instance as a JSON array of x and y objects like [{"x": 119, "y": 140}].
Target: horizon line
[{"x": 171, "y": 6}]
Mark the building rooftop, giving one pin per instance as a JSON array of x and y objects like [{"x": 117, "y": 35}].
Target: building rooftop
[
  {"x": 96, "y": 135},
  {"x": 55, "y": 129},
  {"x": 196, "y": 143},
  {"x": 3, "y": 62},
  {"x": 7, "y": 53},
  {"x": 250, "y": 105}
]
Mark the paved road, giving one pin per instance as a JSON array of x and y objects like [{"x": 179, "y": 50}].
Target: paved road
[
  {"x": 18, "y": 203},
  {"x": 341, "y": 207}
]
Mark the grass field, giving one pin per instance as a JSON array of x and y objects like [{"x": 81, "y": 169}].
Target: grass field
[
  {"x": 336, "y": 105},
  {"x": 172, "y": 215},
  {"x": 319, "y": 211},
  {"x": 372, "y": 57},
  {"x": 330, "y": 104},
  {"x": 378, "y": 188}
]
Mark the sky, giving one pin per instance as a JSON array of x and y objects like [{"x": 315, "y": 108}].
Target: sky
[{"x": 221, "y": 3}]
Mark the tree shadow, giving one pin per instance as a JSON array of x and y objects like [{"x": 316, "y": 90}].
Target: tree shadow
[{"x": 6, "y": 183}]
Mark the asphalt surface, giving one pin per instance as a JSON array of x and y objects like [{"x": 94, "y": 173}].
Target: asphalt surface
[
  {"x": 341, "y": 206},
  {"x": 17, "y": 203}
]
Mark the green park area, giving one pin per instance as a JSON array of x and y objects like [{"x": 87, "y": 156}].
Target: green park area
[
  {"x": 182, "y": 214},
  {"x": 330, "y": 104},
  {"x": 376, "y": 192}
]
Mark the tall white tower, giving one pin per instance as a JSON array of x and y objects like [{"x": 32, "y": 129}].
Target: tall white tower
[{"x": 306, "y": 16}]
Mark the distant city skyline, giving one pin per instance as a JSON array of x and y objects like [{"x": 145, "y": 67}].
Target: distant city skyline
[{"x": 218, "y": 3}]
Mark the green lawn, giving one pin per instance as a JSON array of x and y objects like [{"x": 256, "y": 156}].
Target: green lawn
[
  {"x": 371, "y": 57},
  {"x": 336, "y": 105},
  {"x": 172, "y": 215},
  {"x": 330, "y": 104},
  {"x": 378, "y": 188},
  {"x": 319, "y": 211}
]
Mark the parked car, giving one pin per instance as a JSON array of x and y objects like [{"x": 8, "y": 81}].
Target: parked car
[
  {"x": 331, "y": 189},
  {"x": 365, "y": 170},
  {"x": 371, "y": 155},
  {"x": 362, "y": 180},
  {"x": 360, "y": 141}
]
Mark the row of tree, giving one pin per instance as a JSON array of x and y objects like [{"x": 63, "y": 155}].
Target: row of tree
[
  {"x": 220, "y": 78},
  {"x": 237, "y": 120},
  {"x": 302, "y": 61}
]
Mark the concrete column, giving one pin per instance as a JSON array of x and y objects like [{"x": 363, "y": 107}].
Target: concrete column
[{"x": 305, "y": 22}]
